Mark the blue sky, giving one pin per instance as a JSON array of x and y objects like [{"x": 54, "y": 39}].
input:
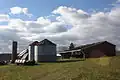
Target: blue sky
[{"x": 45, "y": 7}]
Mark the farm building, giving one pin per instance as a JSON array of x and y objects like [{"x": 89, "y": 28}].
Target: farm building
[
  {"x": 9, "y": 56},
  {"x": 5, "y": 57},
  {"x": 42, "y": 51},
  {"x": 94, "y": 50}
]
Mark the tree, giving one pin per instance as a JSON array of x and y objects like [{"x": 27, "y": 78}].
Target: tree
[{"x": 71, "y": 46}]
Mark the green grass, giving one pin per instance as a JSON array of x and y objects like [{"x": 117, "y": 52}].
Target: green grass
[{"x": 90, "y": 69}]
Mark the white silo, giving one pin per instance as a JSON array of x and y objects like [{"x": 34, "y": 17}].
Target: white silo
[
  {"x": 29, "y": 53},
  {"x": 31, "y": 50},
  {"x": 36, "y": 53}
]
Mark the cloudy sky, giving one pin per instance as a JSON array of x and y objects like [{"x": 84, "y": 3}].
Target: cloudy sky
[{"x": 62, "y": 21}]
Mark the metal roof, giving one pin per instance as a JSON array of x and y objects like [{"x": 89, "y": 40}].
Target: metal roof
[
  {"x": 43, "y": 42},
  {"x": 46, "y": 42},
  {"x": 83, "y": 47},
  {"x": 34, "y": 43}
]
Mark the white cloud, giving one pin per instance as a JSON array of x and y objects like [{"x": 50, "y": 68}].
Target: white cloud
[
  {"x": 43, "y": 21},
  {"x": 25, "y": 10},
  {"x": 4, "y": 17},
  {"x": 118, "y": 1},
  {"x": 56, "y": 27},
  {"x": 75, "y": 16},
  {"x": 97, "y": 26},
  {"x": 16, "y": 10},
  {"x": 72, "y": 25},
  {"x": 20, "y": 10}
]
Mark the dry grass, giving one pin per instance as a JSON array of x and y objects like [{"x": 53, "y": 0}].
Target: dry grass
[{"x": 90, "y": 69}]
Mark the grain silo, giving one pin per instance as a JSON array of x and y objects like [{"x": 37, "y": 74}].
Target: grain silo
[
  {"x": 14, "y": 51},
  {"x": 31, "y": 50},
  {"x": 36, "y": 53}
]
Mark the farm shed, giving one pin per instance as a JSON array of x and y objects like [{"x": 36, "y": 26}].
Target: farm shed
[
  {"x": 5, "y": 57},
  {"x": 42, "y": 51},
  {"x": 94, "y": 50}
]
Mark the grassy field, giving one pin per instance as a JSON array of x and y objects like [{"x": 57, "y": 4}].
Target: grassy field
[{"x": 90, "y": 69}]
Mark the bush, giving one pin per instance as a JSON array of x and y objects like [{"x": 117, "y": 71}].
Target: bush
[
  {"x": 3, "y": 62},
  {"x": 29, "y": 63}
]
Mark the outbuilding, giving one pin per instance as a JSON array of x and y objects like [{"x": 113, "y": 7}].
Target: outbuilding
[
  {"x": 43, "y": 51},
  {"x": 94, "y": 50},
  {"x": 5, "y": 57}
]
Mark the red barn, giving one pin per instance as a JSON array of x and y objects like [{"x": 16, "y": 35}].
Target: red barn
[{"x": 94, "y": 50}]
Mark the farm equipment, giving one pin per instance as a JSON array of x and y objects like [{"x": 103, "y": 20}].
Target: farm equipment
[
  {"x": 24, "y": 62},
  {"x": 23, "y": 58},
  {"x": 3, "y": 62}
]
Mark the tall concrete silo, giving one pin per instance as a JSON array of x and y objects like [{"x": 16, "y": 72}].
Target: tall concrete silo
[{"x": 14, "y": 51}]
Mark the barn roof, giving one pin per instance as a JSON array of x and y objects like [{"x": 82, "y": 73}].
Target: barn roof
[
  {"x": 34, "y": 43},
  {"x": 46, "y": 41},
  {"x": 88, "y": 46},
  {"x": 43, "y": 42},
  {"x": 91, "y": 45}
]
